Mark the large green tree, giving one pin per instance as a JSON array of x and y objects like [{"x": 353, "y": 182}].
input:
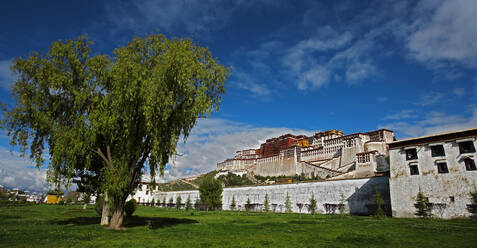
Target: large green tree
[
  {"x": 129, "y": 109},
  {"x": 210, "y": 190}
]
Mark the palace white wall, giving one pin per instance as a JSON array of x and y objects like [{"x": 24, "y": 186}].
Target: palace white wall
[{"x": 357, "y": 193}]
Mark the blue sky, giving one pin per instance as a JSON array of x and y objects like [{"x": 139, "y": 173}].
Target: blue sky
[{"x": 297, "y": 66}]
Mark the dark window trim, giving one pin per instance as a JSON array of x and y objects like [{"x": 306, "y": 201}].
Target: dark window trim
[
  {"x": 413, "y": 171},
  {"x": 470, "y": 167},
  {"x": 442, "y": 170},
  {"x": 461, "y": 150},
  {"x": 433, "y": 149},
  {"x": 413, "y": 158}
]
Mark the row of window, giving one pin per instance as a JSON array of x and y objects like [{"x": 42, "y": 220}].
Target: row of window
[
  {"x": 442, "y": 167},
  {"x": 438, "y": 150}
]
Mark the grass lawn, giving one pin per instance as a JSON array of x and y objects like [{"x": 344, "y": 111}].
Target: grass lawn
[{"x": 70, "y": 226}]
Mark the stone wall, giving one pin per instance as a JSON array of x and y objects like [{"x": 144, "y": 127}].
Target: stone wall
[{"x": 355, "y": 194}]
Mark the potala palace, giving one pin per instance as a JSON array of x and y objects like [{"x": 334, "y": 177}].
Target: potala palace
[
  {"x": 330, "y": 155},
  {"x": 350, "y": 169}
]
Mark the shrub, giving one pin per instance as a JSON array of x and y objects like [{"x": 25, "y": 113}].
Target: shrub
[
  {"x": 379, "y": 202},
  {"x": 312, "y": 205},
  {"x": 248, "y": 205},
  {"x": 266, "y": 204},
  {"x": 69, "y": 201},
  {"x": 233, "y": 204},
  {"x": 178, "y": 202},
  {"x": 130, "y": 207},
  {"x": 153, "y": 203},
  {"x": 288, "y": 206},
  {"x": 211, "y": 193},
  {"x": 188, "y": 204},
  {"x": 86, "y": 198},
  {"x": 197, "y": 203},
  {"x": 98, "y": 206},
  {"x": 422, "y": 205},
  {"x": 61, "y": 202}
]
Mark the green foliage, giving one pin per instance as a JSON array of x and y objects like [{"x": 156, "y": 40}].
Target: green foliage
[
  {"x": 153, "y": 202},
  {"x": 200, "y": 178},
  {"x": 98, "y": 206},
  {"x": 247, "y": 208},
  {"x": 188, "y": 204},
  {"x": 178, "y": 202},
  {"x": 233, "y": 205},
  {"x": 379, "y": 202},
  {"x": 422, "y": 205},
  {"x": 174, "y": 186},
  {"x": 61, "y": 202},
  {"x": 171, "y": 201},
  {"x": 164, "y": 204},
  {"x": 69, "y": 201},
  {"x": 210, "y": 191},
  {"x": 122, "y": 110},
  {"x": 312, "y": 205},
  {"x": 288, "y": 206},
  {"x": 234, "y": 180},
  {"x": 130, "y": 207},
  {"x": 196, "y": 203},
  {"x": 86, "y": 198},
  {"x": 266, "y": 204}
]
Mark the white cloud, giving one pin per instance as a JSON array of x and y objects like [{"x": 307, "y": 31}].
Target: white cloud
[
  {"x": 301, "y": 58},
  {"x": 19, "y": 172},
  {"x": 404, "y": 114},
  {"x": 248, "y": 82},
  {"x": 444, "y": 31},
  {"x": 214, "y": 140},
  {"x": 334, "y": 54},
  {"x": 433, "y": 123},
  {"x": 458, "y": 91},
  {"x": 429, "y": 98},
  {"x": 6, "y": 76},
  {"x": 178, "y": 16}
]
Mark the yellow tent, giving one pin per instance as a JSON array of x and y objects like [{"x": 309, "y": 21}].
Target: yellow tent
[{"x": 52, "y": 199}]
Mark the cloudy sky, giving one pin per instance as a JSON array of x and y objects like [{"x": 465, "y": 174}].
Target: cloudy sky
[{"x": 297, "y": 66}]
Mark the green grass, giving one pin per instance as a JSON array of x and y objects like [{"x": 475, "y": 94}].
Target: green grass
[{"x": 70, "y": 226}]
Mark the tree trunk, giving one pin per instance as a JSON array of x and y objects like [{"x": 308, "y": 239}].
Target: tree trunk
[
  {"x": 105, "y": 214},
  {"x": 85, "y": 206},
  {"x": 118, "y": 214}
]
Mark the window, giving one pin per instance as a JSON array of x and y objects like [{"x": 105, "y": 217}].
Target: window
[
  {"x": 466, "y": 147},
  {"x": 442, "y": 167},
  {"x": 414, "y": 169},
  {"x": 469, "y": 164},
  {"x": 437, "y": 151},
  {"x": 411, "y": 154}
]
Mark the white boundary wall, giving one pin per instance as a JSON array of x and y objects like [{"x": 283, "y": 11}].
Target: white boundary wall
[{"x": 357, "y": 193}]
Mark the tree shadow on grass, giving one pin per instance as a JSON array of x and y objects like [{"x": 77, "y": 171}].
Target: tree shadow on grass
[
  {"x": 155, "y": 222},
  {"x": 78, "y": 221},
  {"x": 133, "y": 221}
]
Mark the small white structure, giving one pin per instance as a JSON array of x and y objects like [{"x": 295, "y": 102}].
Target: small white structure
[
  {"x": 143, "y": 193},
  {"x": 442, "y": 166}
]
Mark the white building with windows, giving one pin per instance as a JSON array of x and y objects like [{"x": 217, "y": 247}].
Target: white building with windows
[{"x": 441, "y": 166}]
